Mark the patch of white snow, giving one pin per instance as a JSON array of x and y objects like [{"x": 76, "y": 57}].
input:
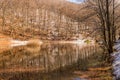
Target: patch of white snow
[
  {"x": 116, "y": 62},
  {"x": 18, "y": 43}
]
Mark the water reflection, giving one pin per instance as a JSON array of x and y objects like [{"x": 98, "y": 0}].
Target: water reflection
[{"x": 45, "y": 58}]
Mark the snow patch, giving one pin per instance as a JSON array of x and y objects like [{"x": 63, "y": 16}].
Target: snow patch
[
  {"x": 79, "y": 41},
  {"x": 18, "y": 43},
  {"x": 116, "y": 62}
]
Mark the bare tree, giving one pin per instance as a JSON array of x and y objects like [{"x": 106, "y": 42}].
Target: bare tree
[{"x": 105, "y": 14}]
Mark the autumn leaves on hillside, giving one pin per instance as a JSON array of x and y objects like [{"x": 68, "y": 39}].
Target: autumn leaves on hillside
[{"x": 49, "y": 19}]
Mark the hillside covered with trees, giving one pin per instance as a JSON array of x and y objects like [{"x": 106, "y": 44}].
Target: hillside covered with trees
[{"x": 54, "y": 20}]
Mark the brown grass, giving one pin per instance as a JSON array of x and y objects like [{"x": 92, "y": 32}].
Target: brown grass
[
  {"x": 100, "y": 69},
  {"x": 4, "y": 36},
  {"x": 34, "y": 43},
  {"x": 4, "y": 45}
]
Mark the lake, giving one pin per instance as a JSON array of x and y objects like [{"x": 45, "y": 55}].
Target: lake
[{"x": 49, "y": 61}]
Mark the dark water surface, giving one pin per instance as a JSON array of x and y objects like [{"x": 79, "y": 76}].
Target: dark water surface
[{"x": 50, "y": 61}]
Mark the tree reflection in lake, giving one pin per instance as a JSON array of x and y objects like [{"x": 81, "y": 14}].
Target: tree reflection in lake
[{"x": 21, "y": 62}]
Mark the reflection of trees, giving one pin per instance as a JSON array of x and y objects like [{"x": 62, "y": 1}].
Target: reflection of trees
[{"x": 50, "y": 57}]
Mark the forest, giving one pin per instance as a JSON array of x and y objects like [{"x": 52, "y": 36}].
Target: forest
[{"x": 59, "y": 40}]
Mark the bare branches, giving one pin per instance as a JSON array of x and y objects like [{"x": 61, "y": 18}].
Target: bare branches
[{"x": 107, "y": 13}]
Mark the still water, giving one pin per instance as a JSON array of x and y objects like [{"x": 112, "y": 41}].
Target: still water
[{"x": 46, "y": 62}]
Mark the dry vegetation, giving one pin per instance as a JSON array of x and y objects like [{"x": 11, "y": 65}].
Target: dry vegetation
[
  {"x": 4, "y": 43},
  {"x": 56, "y": 20},
  {"x": 34, "y": 43}
]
